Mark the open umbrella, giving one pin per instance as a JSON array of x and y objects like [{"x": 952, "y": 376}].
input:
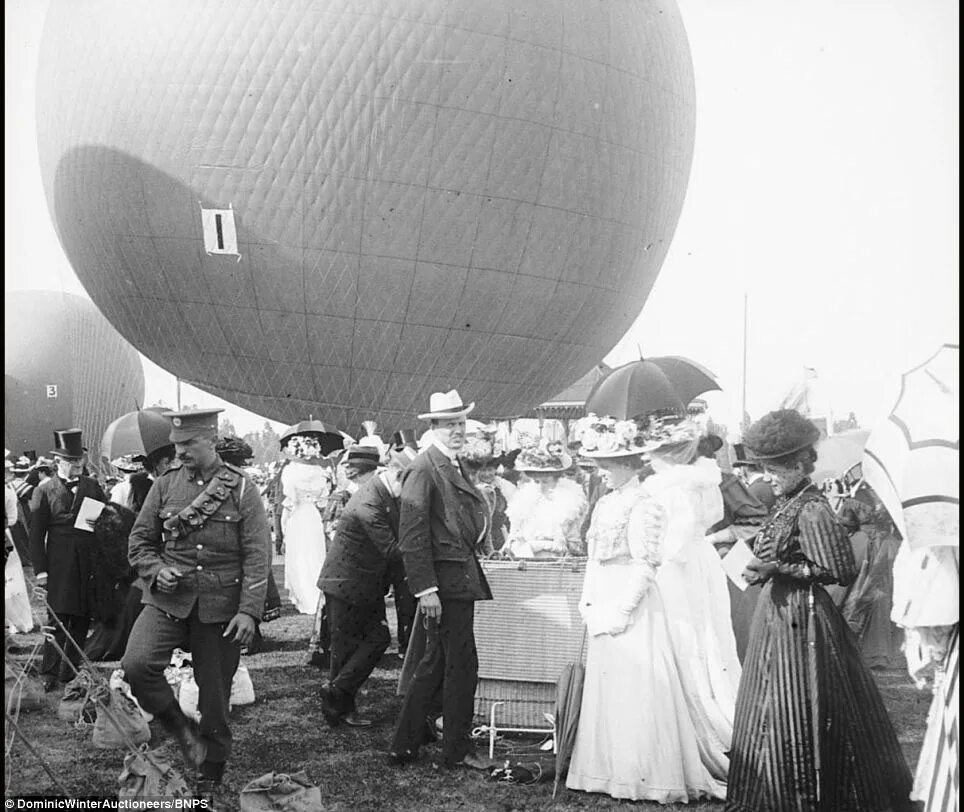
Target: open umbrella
[
  {"x": 329, "y": 438},
  {"x": 838, "y": 454},
  {"x": 136, "y": 433},
  {"x": 911, "y": 459},
  {"x": 568, "y": 702},
  {"x": 665, "y": 383}
]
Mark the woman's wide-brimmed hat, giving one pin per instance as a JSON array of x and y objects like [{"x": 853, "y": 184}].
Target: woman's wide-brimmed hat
[
  {"x": 608, "y": 438},
  {"x": 664, "y": 432},
  {"x": 445, "y": 405},
  {"x": 779, "y": 434},
  {"x": 129, "y": 464},
  {"x": 543, "y": 460},
  {"x": 477, "y": 452}
]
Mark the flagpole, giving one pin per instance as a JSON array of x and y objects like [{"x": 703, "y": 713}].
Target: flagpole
[{"x": 743, "y": 417}]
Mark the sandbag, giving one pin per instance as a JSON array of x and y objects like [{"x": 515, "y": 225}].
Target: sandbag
[
  {"x": 281, "y": 792},
  {"x": 147, "y": 775},
  {"x": 187, "y": 697},
  {"x": 242, "y": 689},
  {"x": 121, "y": 711},
  {"x": 119, "y": 681},
  {"x": 175, "y": 676},
  {"x": 77, "y": 704},
  {"x": 22, "y": 691}
]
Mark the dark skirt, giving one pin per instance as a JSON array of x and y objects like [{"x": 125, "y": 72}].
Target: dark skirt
[
  {"x": 773, "y": 763},
  {"x": 108, "y": 638},
  {"x": 742, "y": 607}
]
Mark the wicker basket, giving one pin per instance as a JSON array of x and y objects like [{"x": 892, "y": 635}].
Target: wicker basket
[{"x": 526, "y": 636}]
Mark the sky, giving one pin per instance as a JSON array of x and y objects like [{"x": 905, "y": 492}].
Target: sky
[{"x": 824, "y": 193}]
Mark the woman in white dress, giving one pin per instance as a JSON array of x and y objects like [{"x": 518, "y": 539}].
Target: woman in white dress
[
  {"x": 306, "y": 484},
  {"x": 686, "y": 486},
  {"x": 636, "y": 738},
  {"x": 547, "y": 511}
]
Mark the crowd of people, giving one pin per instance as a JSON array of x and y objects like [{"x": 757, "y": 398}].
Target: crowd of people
[{"x": 697, "y": 686}]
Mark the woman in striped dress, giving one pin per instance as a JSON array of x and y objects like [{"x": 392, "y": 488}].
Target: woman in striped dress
[{"x": 802, "y": 663}]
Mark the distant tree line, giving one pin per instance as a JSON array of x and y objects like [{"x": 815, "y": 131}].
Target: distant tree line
[{"x": 265, "y": 443}]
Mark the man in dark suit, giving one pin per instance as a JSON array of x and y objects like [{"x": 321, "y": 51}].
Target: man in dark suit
[
  {"x": 353, "y": 579},
  {"x": 396, "y": 580},
  {"x": 61, "y": 553},
  {"x": 443, "y": 518},
  {"x": 202, "y": 548}
]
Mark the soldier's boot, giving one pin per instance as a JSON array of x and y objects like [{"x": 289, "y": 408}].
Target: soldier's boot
[
  {"x": 193, "y": 746},
  {"x": 208, "y": 784}
]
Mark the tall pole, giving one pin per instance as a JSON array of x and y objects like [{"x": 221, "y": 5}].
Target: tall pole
[
  {"x": 178, "y": 393},
  {"x": 743, "y": 417}
]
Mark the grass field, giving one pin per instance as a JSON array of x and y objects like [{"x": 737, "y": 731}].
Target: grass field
[{"x": 284, "y": 732}]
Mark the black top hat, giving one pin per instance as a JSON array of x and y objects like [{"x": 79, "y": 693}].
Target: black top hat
[
  {"x": 404, "y": 437},
  {"x": 68, "y": 444},
  {"x": 739, "y": 451}
]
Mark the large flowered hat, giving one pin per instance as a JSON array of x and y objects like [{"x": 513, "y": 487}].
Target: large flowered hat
[
  {"x": 602, "y": 437},
  {"x": 544, "y": 458},
  {"x": 477, "y": 452},
  {"x": 129, "y": 463},
  {"x": 303, "y": 448},
  {"x": 778, "y": 434},
  {"x": 670, "y": 431}
]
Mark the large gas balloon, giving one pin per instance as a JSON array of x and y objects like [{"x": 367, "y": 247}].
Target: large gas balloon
[
  {"x": 66, "y": 367},
  {"x": 336, "y": 207}
]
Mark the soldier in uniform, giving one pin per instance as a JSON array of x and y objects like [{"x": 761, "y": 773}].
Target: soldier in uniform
[
  {"x": 61, "y": 553},
  {"x": 202, "y": 547}
]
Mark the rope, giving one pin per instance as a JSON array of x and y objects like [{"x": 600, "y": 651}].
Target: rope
[{"x": 102, "y": 706}]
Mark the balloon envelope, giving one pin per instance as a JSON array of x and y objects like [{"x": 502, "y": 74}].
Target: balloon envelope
[
  {"x": 337, "y": 208},
  {"x": 66, "y": 367}
]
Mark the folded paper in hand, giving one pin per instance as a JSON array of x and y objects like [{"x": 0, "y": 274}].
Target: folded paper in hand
[
  {"x": 735, "y": 561},
  {"x": 89, "y": 511}
]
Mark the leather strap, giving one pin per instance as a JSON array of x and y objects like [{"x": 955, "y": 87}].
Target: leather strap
[{"x": 204, "y": 506}]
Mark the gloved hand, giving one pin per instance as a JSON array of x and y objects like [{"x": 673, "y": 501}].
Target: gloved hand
[{"x": 606, "y": 619}]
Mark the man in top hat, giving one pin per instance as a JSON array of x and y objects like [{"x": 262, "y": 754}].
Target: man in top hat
[
  {"x": 443, "y": 519},
  {"x": 60, "y": 553},
  {"x": 202, "y": 549},
  {"x": 353, "y": 580}
]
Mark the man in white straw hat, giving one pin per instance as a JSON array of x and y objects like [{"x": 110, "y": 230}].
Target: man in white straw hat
[{"x": 443, "y": 517}]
